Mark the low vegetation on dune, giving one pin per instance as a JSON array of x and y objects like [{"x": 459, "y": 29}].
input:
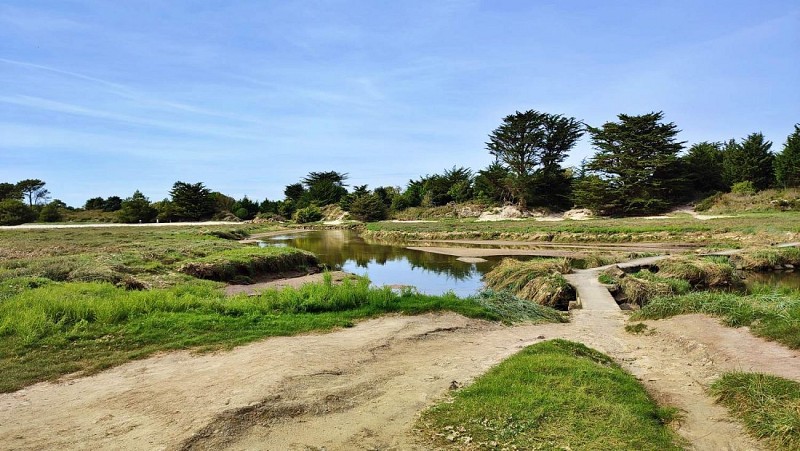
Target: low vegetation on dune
[
  {"x": 770, "y": 313},
  {"x": 768, "y": 405},
  {"x": 770, "y": 200},
  {"x": 540, "y": 281},
  {"x": 48, "y": 328},
  {"x": 552, "y": 395}
]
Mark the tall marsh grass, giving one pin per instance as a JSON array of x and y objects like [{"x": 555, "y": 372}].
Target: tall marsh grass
[
  {"x": 768, "y": 405},
  {"x": 51, "y": 328},
  {"x": 540, "y": 281}
]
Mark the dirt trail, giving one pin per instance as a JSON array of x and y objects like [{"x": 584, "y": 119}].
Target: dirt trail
[{"x": 362, "y": 388}]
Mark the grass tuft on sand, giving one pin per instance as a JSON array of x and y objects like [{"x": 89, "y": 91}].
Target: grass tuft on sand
[
  {"x": 552, "y": 395},
  {"x": 768, "y": 405},
  {"x": 770, "y": 313}
]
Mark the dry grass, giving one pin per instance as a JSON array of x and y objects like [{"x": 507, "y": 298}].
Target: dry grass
[
  {"x": 540, "y": 281},
  {"x": 700, "y": 272},
  {"x": 767, "y": 259},
  {"x": 762, "y": 201}
]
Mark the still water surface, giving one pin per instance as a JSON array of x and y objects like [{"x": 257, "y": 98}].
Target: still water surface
[
  {"x": 430, "y": 273},
  {"x": 389, "y": 265}
]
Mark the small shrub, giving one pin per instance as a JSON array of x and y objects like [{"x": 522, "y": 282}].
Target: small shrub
[
  {"x": 14, "y": 212},
  {"x": 311, "y": 213},
  {"x": 50, "y": 213},
  {"x": 368, "y": 207},
  {"x": 745, "y": 187}
]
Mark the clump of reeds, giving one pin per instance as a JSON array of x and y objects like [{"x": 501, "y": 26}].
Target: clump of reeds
[
  {"x": 540, "y": 281},
  {"x": 642, "y": 286}
]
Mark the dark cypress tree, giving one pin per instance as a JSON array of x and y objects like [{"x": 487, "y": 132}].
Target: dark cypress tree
[
  {"x": 634, "y": 166},
  {"x": 787, "y": 163},
  {"x": 748, "y": 161},
  {"x": 703, "y": 164}
]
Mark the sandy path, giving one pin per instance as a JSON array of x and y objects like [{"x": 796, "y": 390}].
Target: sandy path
[{"x": 362, "y": 388}]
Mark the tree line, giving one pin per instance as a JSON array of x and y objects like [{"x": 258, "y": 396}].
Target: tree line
[{"x": 639, "y": 167}]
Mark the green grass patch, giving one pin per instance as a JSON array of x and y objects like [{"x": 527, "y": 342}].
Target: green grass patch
[
  {"x": 243, "y": 263},
  {"x": 768, "y": 405},
  {"x": 540, "y": 280},
  {"x": 50, "y": 328},
  {"x": 770, "y": 313},
  {"x": 552, "y": 395}
]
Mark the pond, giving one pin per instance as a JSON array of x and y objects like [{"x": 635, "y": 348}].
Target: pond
[
  {"x": 778, "y": 279},
  {"x": 385, "y": 264}
]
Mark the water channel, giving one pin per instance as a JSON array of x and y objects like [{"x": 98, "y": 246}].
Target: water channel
[{"x": 430, "y": 273}]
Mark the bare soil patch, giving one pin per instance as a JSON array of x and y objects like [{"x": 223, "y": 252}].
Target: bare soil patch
[
  {"x": 282, "y": 280},
  {"x": 361, "y": 388}
]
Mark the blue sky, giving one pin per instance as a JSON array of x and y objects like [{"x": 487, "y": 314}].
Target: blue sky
[{"x": 101, "y": 98}]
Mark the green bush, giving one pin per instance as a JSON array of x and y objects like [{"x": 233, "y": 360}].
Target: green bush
[
  {"x": 745, "y": 187},
  {"x": 14, "y": 212},
  {"x": 368, "y": 208},
  {"x": 312, "y": 213},
  {"x": 50, "y": 213}
]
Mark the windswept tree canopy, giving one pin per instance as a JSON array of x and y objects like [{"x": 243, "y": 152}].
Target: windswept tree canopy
[
  {"x": 532, "y": 145},
  {"x": 325, "y": 188},
  {"x": 34, "y": 191},
  {"x": 749, "y": 161}
]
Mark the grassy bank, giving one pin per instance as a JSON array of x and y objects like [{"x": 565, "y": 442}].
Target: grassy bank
[
  {"x": 48, "y": 329},
  {"x": 671, "y": 276},
  {"x": 754, "y": 228},
  {"x": 540, "y": 281},
  {"x": 242, "y": 264},
  {"x": 769, "y": 406},
  {"x": 132, "y": 256},
  {"x": 771, "y": 200},
  {"x": 772, "y": 314},
  {"x": 767, "y": 258},
  {"x": 553, "y": 395}
]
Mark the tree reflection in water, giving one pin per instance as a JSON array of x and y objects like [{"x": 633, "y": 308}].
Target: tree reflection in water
[{"x": 390, "y": 265}]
